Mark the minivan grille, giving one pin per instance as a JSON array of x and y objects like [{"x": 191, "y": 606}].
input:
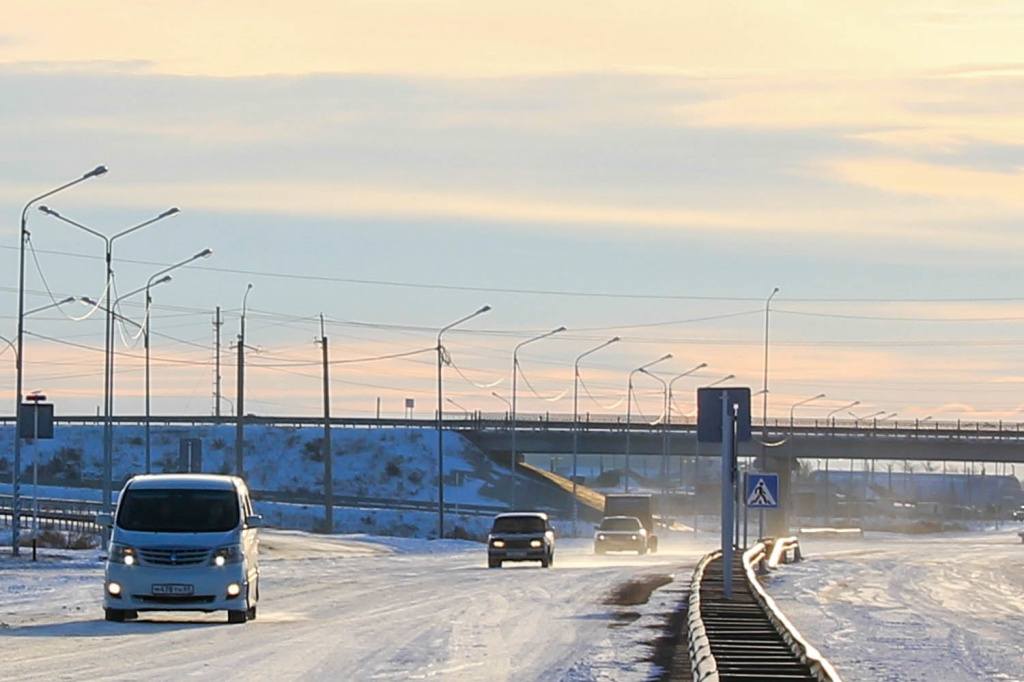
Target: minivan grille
[{"x": 173, "y": 556}]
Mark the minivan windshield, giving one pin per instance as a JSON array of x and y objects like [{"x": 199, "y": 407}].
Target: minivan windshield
[
  {"x": 620, "y": 524},
  {"x": 519, "y": 524},
  {"x": 178, "y": 510}
]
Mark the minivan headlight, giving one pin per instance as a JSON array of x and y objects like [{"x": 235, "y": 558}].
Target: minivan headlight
[
  {"x": 122, "y": 554},
  {"x": 228, "y": 554}
]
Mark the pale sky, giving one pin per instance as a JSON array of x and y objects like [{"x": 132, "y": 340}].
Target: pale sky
[{"x": 678, "y": 158}]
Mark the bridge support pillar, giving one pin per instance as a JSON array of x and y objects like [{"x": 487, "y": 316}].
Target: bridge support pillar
[{"x": 777, "y": 520}]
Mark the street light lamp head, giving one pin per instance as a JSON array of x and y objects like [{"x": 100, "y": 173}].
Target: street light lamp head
[
  {"x": 98, "y": 170},
  {"x": 49, "y": 211},
  {"x": 163, "y": 280},
  {"x": 484, "y": 309},
  {"x": 87, "y": 300},
  {"x": 168, "y": 212},
  {"x": 559, "y": 330},
  {"x": 205, "y": 253}
]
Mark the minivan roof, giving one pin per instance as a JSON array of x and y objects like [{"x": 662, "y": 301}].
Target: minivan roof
[
  {"x": 519, "y": 515},
  {"x": 185, "y": 481}
]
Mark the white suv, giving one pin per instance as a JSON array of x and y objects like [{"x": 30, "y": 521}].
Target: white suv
[
  {"x": 621, "y": 533},
  {"x": 183, "y": 542}
]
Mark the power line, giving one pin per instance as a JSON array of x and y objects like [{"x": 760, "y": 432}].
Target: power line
[{"x": 537, "y": 292}]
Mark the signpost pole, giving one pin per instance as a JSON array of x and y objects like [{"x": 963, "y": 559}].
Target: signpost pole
[
  {"x": 727, "y": 495},
  {"x": 746, "y": 512}
]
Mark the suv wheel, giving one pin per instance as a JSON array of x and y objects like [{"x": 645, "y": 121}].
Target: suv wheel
[
  {"x": 493, "y": 563},
  {"x": 114, "y": 615},
  {"x": 237, "y": 616}
]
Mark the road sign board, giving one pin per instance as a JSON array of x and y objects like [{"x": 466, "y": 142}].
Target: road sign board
[
  {"x": 762, "y": 490},
  {"x": 709, "y": 413},
  {"x": 36, "y": 420}
]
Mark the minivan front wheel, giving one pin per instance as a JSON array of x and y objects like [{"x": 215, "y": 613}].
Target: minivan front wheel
[
  {"x": 238, "y": 616},
  {"x": 115, "y": 615}
]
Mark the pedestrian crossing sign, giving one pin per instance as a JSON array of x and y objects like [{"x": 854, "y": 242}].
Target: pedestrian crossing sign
[{"x": 762, "y": 491}]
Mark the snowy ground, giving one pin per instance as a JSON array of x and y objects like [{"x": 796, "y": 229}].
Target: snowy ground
[
  {"x": 943, "y": 608},
  {"x": 353, "y": 608}
]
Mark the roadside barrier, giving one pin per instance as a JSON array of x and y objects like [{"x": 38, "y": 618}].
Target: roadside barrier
[
  {"x": 702, "y": 662},
  {"x": 748, "y": 636}
]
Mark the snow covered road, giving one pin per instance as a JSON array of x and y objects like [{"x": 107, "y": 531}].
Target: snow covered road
[
  {"x": 350, "y": 608},
  {"x": 943, "y": 609}
]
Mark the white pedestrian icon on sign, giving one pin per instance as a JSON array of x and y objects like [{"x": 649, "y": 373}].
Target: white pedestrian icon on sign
[{"x": 760, "y": 496}]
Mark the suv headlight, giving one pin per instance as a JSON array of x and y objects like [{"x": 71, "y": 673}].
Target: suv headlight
[
  {"x": 122, "y": 554},
  {"x": 498, "y": 544},
  {"x": 601, "y": 536},
  {"x": 228, "y": 554},
  {"x": 536, "y": 544}
]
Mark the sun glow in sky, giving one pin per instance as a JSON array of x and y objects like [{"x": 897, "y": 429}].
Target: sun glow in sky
[{"x": 396, "y": 164}]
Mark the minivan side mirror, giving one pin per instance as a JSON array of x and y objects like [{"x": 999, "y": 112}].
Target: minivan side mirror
[
  {"x": 105, "y": 520},
  {"x": 254, "y": 521}
]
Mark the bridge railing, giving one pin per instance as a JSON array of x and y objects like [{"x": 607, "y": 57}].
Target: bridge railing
[{"x": 486, "y": 421}]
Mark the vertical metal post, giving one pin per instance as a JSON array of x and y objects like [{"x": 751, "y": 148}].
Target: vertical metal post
[
  {"x": 16, "y": 473},
  {"x": 145, "y": 341},
  {"x": 440, "y": 443},
  {"x": 746, "y": 510},
  {"x": 240, "y": 406},
  {"x": 108, "y": 436},
  {"x": 629, "y": 428},
  {"x": 216, "y": 362},
  {"x": 328, "y": 452},
  {"x": 35, "y": 477},
  {"x": 512, "y": 416},
  {"x": 728, "y": 429}
]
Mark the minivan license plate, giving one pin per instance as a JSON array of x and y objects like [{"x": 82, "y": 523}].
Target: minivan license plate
[{"x": 176, "y": 590}]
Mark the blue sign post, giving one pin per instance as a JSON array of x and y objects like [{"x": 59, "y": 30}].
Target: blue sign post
[{"x": 760, "y": 492}]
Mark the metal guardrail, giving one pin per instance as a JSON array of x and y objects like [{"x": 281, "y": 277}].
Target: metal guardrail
[
  {"x": 735, "y": 633},
  {"x": 803, "y": 650},
  {"x": 89, "y": 508},
  {"x": 702, "y": 661},
  {"x": 960, "y": 430}
]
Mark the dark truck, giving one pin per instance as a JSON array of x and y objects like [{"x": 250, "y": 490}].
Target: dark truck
[{"x": 639, "y": 506}]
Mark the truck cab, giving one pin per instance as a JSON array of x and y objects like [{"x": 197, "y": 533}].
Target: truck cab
[{"x": 639, "y": 506}]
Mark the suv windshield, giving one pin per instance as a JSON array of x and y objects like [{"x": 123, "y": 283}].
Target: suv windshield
[
  {"x": 178, "y": 511},
  {"x": 620, "y": 524},
  {"x": 519, "y": 524}
]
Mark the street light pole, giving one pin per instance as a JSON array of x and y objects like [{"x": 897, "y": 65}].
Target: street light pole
[
  {"x": 205, "y": 253},
  {"x": 668, "y": 410},
  {"x": 23, "y": 236},
  {"x": 576, "y": 422},
  {"x": 798, "y": 404},
  {"x": 108, "y": 399},
  {"x": 512, "y": 406},
  {"x": 629, "y": 408},
  {"x": 240, "y": 388},
  {"x": 664, "y": 422},
  {"x": 764, "y": 387},
  {"x": 440, "y": 415}
]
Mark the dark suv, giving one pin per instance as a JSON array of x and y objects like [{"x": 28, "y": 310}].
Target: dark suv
[{"x": 521, "y": 536}]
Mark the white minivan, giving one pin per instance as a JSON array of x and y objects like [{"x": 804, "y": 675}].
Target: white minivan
[{"x": 183, "y": 542}]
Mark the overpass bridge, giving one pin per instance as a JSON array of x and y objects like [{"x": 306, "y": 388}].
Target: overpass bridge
[{"x": 958, "y": 441}]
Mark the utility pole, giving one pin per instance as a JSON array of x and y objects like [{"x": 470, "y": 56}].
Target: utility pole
[
  {"x": 328, "y": 457},
  {"x": 240, "y": 406},
  {"x": 240, "y": 400},
  {"x": 217, "y": 323}
]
